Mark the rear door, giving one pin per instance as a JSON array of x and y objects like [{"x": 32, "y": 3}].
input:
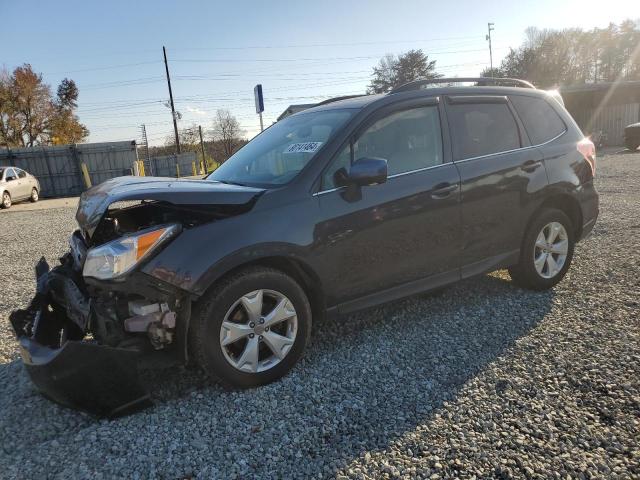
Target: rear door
[
  {"x": 401, "y": 231},
  {"x": 501, "y": 175}
]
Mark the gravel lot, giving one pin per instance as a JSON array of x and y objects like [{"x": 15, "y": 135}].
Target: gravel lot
[{"x": 482, "y": 380}]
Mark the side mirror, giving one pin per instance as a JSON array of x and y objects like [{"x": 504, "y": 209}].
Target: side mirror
[
  {"x": 368, "y": 171},
  {"x": 10, "y": 179}
]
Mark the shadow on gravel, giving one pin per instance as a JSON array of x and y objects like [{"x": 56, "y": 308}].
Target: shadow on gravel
[{"x": 365, "y": 381}]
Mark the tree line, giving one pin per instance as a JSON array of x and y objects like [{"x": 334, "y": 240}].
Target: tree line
[
  {"x": 30, "y": 115},
  {"x": 547, "y": 58},
  {"x": 550, "y": 58}
]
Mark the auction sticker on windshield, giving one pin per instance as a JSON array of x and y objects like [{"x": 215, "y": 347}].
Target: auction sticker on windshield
[{"x": 307, "y": 147}]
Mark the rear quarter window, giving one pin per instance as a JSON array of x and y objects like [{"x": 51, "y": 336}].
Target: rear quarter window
[{"x": 540, "y": 120}]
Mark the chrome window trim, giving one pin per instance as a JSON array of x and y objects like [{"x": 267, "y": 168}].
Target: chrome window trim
[
  {"x": 512, "y": 150},
  {"x": 395, "y": 175}
]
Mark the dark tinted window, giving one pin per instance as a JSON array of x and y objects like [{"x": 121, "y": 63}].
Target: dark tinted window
[
  {"x": 540, "y": 120},
  {"x": 481, "y": 129},
  {"x": 409, "y": 140},
  {"x": 21, "y": 173}
]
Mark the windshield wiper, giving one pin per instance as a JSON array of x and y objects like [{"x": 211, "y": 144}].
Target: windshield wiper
[{"x": 228, "y": 182}]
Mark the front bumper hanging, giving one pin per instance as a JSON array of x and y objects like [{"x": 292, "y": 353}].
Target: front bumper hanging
[{"x": 65, "y": 367}]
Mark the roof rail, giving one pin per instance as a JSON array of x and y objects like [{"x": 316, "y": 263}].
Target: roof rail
[
  {"x": 418, "y": 84},
  {"x": 337, "y": 99}
]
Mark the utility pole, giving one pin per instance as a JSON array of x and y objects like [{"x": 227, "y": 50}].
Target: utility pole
[
  {"x": 146, "y": 147},
  {"x": 173, "y": 110},
  {"x": 488, "y": 37},
  {"x": 204, "y": 159}
]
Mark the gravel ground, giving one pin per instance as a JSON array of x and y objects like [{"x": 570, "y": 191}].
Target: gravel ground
[{"x": 482, "y": 380}]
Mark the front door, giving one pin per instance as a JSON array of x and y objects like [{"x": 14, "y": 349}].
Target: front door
[{"x": 377, "y": 237}]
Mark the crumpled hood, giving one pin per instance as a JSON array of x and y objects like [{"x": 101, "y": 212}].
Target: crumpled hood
[{"x": 95, "y": 201}]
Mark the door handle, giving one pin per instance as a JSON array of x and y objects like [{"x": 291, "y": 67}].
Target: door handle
[
  {"x": 530, "y": 165},
  {"x": 443, "y": 190}
]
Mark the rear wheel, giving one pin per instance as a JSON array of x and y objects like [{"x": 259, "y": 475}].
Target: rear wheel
[
  {"x": 632, "y": 144},
  {"x": 546, "y": 251},
  {"x": 251, "y": 328},
  {"x": 34, "y": 195},
  {"x": 6, "y": 200}
]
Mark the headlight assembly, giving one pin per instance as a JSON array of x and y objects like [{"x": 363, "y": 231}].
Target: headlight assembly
[{"x": 119, "y": 256}]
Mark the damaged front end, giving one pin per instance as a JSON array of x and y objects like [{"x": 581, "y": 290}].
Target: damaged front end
[
  {"x": 95, "y": 317},
  {"x": 82, "y": 346}
]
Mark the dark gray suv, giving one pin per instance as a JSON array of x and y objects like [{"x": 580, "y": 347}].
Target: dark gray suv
[{"x": 341, "y": 207}]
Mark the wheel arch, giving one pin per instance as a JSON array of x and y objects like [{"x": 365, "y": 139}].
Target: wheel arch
[
  {"x": 297, "y": 269},
  {"x": 569, "y": 205}
]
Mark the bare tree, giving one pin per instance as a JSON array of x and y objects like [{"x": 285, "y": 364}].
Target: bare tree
[{"x": 226, "y": 130}]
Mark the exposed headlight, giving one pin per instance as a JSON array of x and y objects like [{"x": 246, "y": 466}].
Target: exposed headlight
[{"x": 119, "y": 256}]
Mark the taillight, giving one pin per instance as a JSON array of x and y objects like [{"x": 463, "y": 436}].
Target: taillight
[{"x": 588, "y": 151}]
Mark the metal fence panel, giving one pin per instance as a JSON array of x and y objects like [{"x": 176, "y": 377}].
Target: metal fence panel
[
  {"x": 58, "y": 167},
  {"x": 610, "y": 119},
  {"x": 165, "y": 166}
]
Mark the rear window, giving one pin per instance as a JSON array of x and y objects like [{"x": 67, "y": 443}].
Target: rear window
[
  {"x": 482, "y": 129},
  {"x": 540, "y": 120}
]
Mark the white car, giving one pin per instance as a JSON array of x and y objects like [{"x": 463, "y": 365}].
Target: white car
[{"x": 17, "y": 185}]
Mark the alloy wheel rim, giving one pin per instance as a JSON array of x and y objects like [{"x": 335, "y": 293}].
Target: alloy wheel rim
[
  {"x": 6, "y": 200},
  {"x": 34, "y": 194},
  {"x": 258, "y": 331},
  {"x": 551, "y": 249}
]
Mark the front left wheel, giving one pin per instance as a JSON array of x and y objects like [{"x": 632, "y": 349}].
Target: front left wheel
[
  {"x": 251, "y": 328},
  {"x": 6, "y": 200}
]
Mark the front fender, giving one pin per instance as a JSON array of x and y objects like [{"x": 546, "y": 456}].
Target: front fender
[{"x": 201, "y": 255}]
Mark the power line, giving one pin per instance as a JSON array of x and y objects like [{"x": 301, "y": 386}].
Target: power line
[
  {"x": 348, "y": 44},
  {"x": 183, "y": 77},
  {"x": 362, "y": 57},
  {"x": 109, "y": 67}
]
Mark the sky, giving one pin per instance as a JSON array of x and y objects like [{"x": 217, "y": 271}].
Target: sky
[{"x": 300, "y": 51}]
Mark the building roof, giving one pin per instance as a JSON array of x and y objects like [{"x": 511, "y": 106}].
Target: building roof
[
  {"x": 596, "y": 87},
  {"x": 606, "y": 93},
  {"x": 291, "y": 109}
]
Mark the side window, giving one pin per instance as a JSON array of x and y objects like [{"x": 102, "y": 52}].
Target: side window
[
  {"x": 482, "y": 129},
  {"x": 21, "y": 173},
  {"x": 540, "y": 120},
  {"x": 408, "y": 140},
  {"x": 10, "y": 173}
]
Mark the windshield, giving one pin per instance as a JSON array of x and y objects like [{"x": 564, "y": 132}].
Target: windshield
[{"x": 277, "y": 155}]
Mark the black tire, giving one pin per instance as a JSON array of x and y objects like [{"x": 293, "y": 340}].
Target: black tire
[
  {"x": 632, "y": 144},
  {"x": 524, "y": 274},
  {"x": 5, "y": 201},
  {"x": 209, "y": 313},
  {"x": 35, "y": 196}
]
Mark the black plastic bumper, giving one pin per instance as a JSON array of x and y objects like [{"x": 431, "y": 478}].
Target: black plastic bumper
[{"x": 80, "y": 374}]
